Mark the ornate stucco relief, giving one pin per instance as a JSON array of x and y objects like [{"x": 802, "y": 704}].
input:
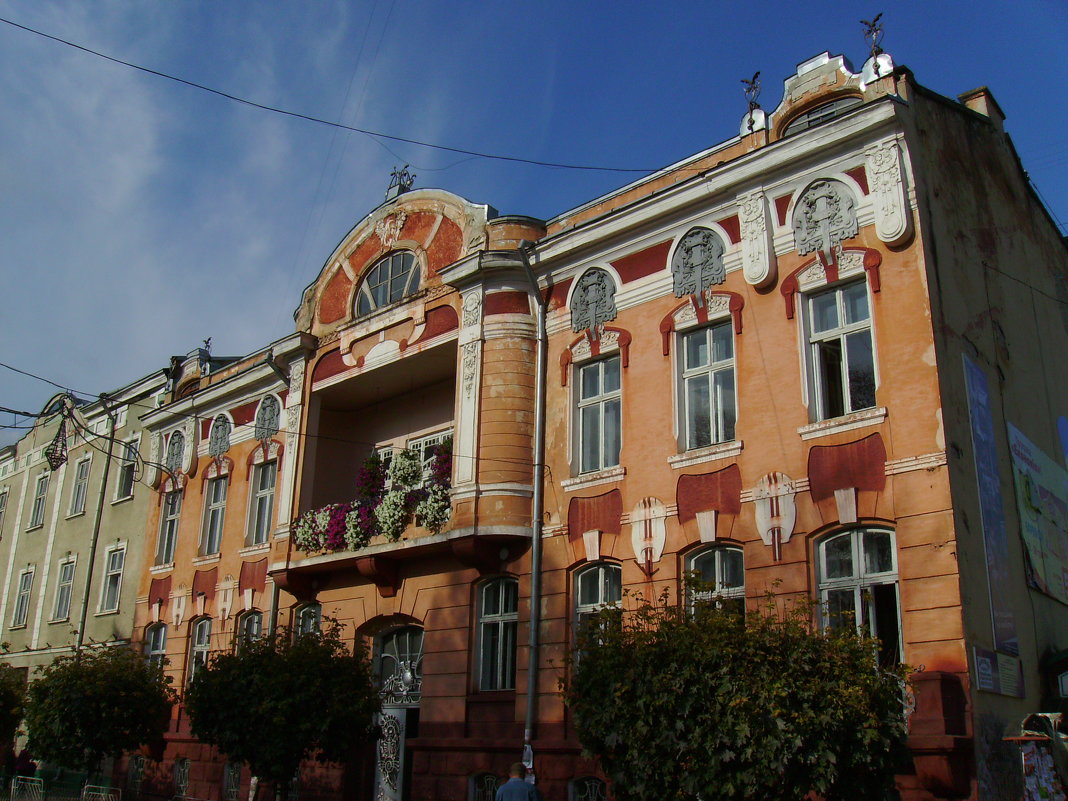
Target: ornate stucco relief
[
  {"x": 824, "y": 217},
  {"x": 697, "y": 263},
  {"x": 648, "y": 532},
  {"x": 893, "y": 223},
  {"x": 758, "y": 259},
  {"x": 593, "y": 303},
  {"x": 775, "y": 510}
]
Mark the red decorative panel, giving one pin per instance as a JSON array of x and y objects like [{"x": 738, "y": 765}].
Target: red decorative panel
[
  {"x": 245, "y": 412},
  {"x": 204, "y": 581},
  {"x": 159, "y": 590},
  {"x": 205, "y": 427},
  {"x": 860, "y": 464},
  {"x": 418, "y": 225},
  {"x": 601, "y": 512},
  {"x": 507, "y": 303},
  {"x": 781, "y": 206},
  {"x": 447, "y": 247},
  {"x": 368, "y": 251},
  {"x": 438, "y": 321},
  {"x": 733, "y": 228},
  {"x": 556, "y": 294},
  {"x": 721, "y": 491},
  {"x": 253, "y": 576},
  {"x": 331, "y": 364},
  {"x": 860, "y": 175},
  {"x": 643, "y": 263},
  {"x": 334, "y": 302}
]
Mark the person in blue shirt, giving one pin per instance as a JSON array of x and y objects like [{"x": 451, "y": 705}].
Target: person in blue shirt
[{"x": 516, "y": 788}]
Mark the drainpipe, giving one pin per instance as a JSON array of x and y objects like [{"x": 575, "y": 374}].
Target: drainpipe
[{"x": 537, "y": 512}]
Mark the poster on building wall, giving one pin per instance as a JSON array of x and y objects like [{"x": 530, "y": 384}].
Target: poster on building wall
[
  {"x": 1042, "y": 498},
  {"x": 991, "y": 506}
]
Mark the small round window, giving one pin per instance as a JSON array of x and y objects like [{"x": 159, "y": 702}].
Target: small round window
[{"x": 391, "y": 279}]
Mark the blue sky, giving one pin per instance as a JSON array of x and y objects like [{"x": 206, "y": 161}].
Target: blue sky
[{"x": 139, "y": 216}]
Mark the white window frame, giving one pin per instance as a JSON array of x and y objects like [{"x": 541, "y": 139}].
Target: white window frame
[
  {"x": 309, "y": 619},
  {"x": 80, "y": 488},
  {"x": 244, "y": 623},
  {"x": 604, "y": 570},
  {"x": 168, "y": 527},
  {"x": 860, "y": 582},
  {"x": 261, "y": 503},
  {"x": 199, "y": 645},
  {"x": 23, "y": 590},
  {"x": 719, "y": 591},
  {"x": 3, "y": 508},
  {"x": 40, "y": 496},
  {"x": 819, "y": 394},
  {"x": 112, "y": 576},
  {"x": 64, "y": 588},
  {"x": 211, "y": 533},
  {"x": 721, "y": 428},
  {"x": 498, "y": 635},
  {"x": 424, "y": 446},
  {"x": 601, "y": 401},
  {"x": 156, "y": 647},
  {"x": 126, "y": 474},
  {"x": 366, "y": 303}
]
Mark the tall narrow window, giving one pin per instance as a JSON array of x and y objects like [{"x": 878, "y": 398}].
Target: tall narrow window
[
  {"x": 214, "y": 512},
  {"x": 484, "y": 787},
  {"x": 262, "y": 506},
  {"x": 708, "y": 385},
  {"x": 250, "y": 627},
  {"x": 722, "y": 574},
  {"x": 40, "y": 492},
  {"x": 199, "y": 645},
  {"x": 231, "y": 781},
  {"x": 309, "y": 619},
  {"x": 168, "y": 529},
  {"x": 124, "y": 481},
  {"x": 181, "y": 777},
  {"x": 64, "y": 588},
  {"x": 498, "y": 619},
  {"x": 858, "y": 586},
  {"x": 80, "y": 488},
  {"x": 389, "y": 280},
  {"x": 597, "y": 586},
  {"x": 840, "y": 350},
  {"x": 112, "y": 585},
  {"x": 599, "y": 414},
  {"x": 156, "y": 644},
  {"x": 3, "y": 509},
  {"x": 588, "y": 788},
  {"x": 22, "y": 598}
]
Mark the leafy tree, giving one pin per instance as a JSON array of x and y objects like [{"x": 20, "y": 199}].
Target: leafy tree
[
  {"x": 12, "y": 702},
  {"x": 277, "y": 701},
  {"x": 96, "y": 703},
  {"x": 683, "y": 703}
]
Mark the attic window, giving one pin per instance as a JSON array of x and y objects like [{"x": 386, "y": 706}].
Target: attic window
[
  {"x": 821, "y": 114},
  {"x": 390, "y": 279}
]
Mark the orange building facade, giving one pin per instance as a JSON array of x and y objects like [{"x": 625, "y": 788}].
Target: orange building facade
[{"x": 800, "y": 362}]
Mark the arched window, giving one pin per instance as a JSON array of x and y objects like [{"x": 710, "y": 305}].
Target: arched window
[
  {"x": 498, "y": 616},
  {"x": 400, "y": 665},
  {"x": 250, "y": 627},
  {"x": 309, "y": 619},
  {"x": 156, "y": 644},
  {"x": 596, "y": 587},
  {"x": 390, "y": 279},
  {"x": 199, "y": 645},
  {"x": 721, "y": 570},
  {"x": 820, "y": 114},
  {"x": 857, "y": 573}
]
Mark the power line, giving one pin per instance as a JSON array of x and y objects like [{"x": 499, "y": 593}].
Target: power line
[{"x": 321, "y": 121}]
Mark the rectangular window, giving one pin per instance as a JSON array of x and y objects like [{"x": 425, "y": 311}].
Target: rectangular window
[
  {"x": 61, "y": 607},
  {"x": 708, "y": 394},
  {"x": 3, "y": 509},
  {"x": 156, "y": 644},
  {"x": 40, "y": 492},
  {"x": 425, "y": 446},
  {"x": 81, "y": 486},
  {"x": 22, "y": 598},
  {"x": 109, "y": 591},
  {"x": 498, "y": 619},
  {"x": 124, "y": 481},
  {"x": 599, "y": 397},
  {"x": 842, "y": 358},
  {"x": 199, "y": 646},
  {"x": 262, "y": 506},
  {"x": 168, "y": 528},
  {"x": 214, "y": 512}
]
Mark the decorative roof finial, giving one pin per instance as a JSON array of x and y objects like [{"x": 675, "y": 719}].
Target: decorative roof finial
[
  {"x": 400, "y": 181},
  {"x": 752, "y": 94},
  {"x": 873, "y": 31}
]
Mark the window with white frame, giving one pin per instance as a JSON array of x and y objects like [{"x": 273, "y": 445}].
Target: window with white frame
[
  {"x": 199, "y": 645},
  {"x": 250, "y": 627},
  {"x": 857, "y": 573},
  {"x": 261, "y": 507},
  {"x": 64, "y": 589},
  {"x": 721, "y": 573},
  {"x": 114, "y": 561},
  {"x": 841, "y": 353},
  {"x": 214, "y": 514},
  {"x": 498, "y": 619},
  {"x": 80, "y": 488},
  {"x": 3, "y": 509},
  {"x": 168, "y": 527},
  {"x": 425, "y": 446},
  {"x": 596, "y": 587},
  {"x": 309, "y": 619},
  {"x": 124, "y": 480},
  {"x": 389, "y": 280},
  {"x": 708, "y": 397},
  {"x": 156, "y": 644},
  {"x": 181, "y": 777},
  {"x": 22, "y": 598},
  {"x": 40, "y": 492},
  {"x": 599, "y": 414}
]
